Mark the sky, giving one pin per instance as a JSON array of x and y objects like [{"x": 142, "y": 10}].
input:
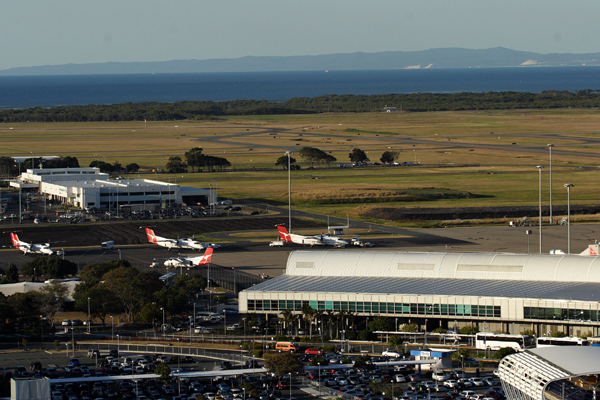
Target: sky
[{"x": 42, "y": 32}]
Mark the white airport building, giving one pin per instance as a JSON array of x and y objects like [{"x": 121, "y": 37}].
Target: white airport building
[
  {"x": 496, "y": 291},
  {"x": 551, "y": 373},
  {"x": 88, "y": 187}
]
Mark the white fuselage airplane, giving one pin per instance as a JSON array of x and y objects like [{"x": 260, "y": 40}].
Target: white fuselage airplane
[
  {"x": 173, "y": 243},
  {"x": 190, "y": 261},
  {"x": 41, "y": 248},
  {"x": 323, "y": 239}
]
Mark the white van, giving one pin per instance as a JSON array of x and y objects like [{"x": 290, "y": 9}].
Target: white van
[{"x": 109, "y": 245}]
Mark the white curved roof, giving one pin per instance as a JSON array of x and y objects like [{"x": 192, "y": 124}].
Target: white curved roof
[{"x": 391, "y": 264}]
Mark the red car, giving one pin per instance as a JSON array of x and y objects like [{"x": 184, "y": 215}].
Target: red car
[
  {"x": 282, "y": 385},
  {"x": 313, "y": 352}
]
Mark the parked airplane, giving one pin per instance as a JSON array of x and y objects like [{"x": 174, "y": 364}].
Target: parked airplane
[
  {"x": 322, "y": 239},
  {"x": 190, "y": 261},
  {"x": 41, "y": 248},
  {"x": 186, "y": 243}
]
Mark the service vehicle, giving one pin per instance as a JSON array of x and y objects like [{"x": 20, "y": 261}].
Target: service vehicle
[{"x": 286, "y": 346}]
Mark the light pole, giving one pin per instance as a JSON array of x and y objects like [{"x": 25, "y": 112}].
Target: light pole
[
  {"x": 162, "y": 328},
  {"x": 244, "y": 322},
  {"x": 42, "y": 328},
  {"x": 540, "y": 167},
  {"x": 112, "y": 326},
  {"x": 290, "y": 386},
  {"x": 425, "y": 335},
  {"x": 89, "y": 321},
  {"x": 289, "y": 192},
  {"x": 319, "y": 364},
  {"x": 569, "y": 186},
  {"x": 118, "y": 344},
  {"x": 550, "y": 146}
]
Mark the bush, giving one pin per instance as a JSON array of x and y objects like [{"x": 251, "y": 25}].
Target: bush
[
  {"x": 410, "y": 328},
  {"x": 351, "y": 335},
  {"x": 365, "y": 335},
  {"x": 503, "y": 352},
  {"x": 281, "y": 338},
  {"x": 257, "y": 353},
  {"x": 469, "y": 330}
]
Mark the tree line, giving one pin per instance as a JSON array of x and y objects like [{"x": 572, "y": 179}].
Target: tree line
[
  {"x": 200, "y": 110},
  {"x": 114, "y": 287}
]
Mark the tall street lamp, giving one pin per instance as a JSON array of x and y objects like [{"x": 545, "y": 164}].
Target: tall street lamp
[
  {"x": 289, "y": 191},
  {"x": 162, "y": 328},
  {"x": 540, "y": 167},
  {"x": 112, "y": 325},
  {"x": 550, "y": 146},
  {"x": 569, "y": 186},
  {"x": 89, "y": 321}
]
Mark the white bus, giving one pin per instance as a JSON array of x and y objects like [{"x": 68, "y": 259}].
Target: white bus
[
  {"x": 496, "y": 341},
  {"x": 547, "y": 341}
]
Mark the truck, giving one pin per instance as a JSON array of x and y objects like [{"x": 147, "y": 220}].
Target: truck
[{"x": 276, "y": 243}]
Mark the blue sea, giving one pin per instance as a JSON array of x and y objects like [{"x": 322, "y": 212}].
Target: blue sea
[{"x": 48, "y": 91}]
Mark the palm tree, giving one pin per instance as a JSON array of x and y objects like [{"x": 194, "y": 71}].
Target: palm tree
[
  {"x": 319, "y": 315},
  {"x": 330, "y": 315},
  {"x": 309, "y": 315},
  {"x": 287, "y": 315}
]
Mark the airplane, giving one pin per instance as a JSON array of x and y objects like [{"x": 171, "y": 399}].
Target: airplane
[
  {"x": 190, "y": 261},
  {"x": 186, "y": 243},
  {"x": 41, "y": 248},
  {"x": 322, "y": 239}
]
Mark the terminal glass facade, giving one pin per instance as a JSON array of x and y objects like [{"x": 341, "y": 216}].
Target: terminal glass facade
[
  {"x": 367, "y": 307},
  {"x": 560, "y": 314}
]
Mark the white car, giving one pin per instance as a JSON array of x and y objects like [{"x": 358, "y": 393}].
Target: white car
[
  {"x": 466, "y": 382},
  {"x": 440, "y": 376},
  {"x": 477, "y": 382},
  {"x": 451, "y": 383},
  {"x": 488, "y": 380},
  {"x": 390, "y": 353},
  {"x": 400, "y": 378},
  {"x": 66, "y": 322}
]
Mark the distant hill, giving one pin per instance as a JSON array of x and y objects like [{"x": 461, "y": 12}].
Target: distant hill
[{"x": 433, "y": 58}]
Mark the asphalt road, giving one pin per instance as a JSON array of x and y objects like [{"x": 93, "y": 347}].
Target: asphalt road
[{"x": 257, "y": 257}]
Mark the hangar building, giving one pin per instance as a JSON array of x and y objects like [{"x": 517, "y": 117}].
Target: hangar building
[
  {"x": 497, "y": 291},
  {"x": 88, "y": 187}
]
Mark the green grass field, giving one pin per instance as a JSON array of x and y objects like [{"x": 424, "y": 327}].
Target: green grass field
[{"x": 455, "y": 151}]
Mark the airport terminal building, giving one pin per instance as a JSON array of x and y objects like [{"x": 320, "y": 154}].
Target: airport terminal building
[
  {"x": 497, "y": 291},
  {"x": 88, "y": 187}
]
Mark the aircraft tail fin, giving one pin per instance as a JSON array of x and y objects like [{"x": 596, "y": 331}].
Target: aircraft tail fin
[
  {"x": 206, "y": 257},
  {"x": 15, "y": 239},
  {"x": 285, "y": 236},
  {"x": 592, "y": 250},
  {"x": 151, "y": 236}
]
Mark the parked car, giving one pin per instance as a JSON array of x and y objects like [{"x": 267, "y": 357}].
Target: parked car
[
  {"x": 477, "y": 381},
  {"x": 66, "y": 322},
  {"x": 313, "y": 351},
  {"x": 440, "y": 376},
  {"x": 390, "y": 353},
  {"x": 488, "y": 380}
]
